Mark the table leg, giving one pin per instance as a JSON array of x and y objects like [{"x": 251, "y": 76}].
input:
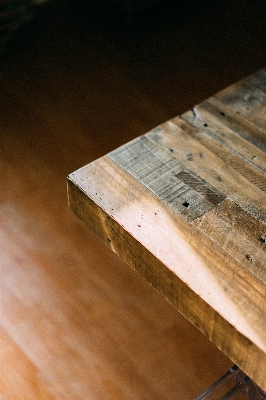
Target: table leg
[{"x": 234, "y": 384}]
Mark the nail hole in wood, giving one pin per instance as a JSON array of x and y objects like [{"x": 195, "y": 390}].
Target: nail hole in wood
[
  {"x": 249, "y": 257},
  {"x": 263, "y": 239},
  {"x": 205, "y": 124},
  {"x": 223, "y": 114}
]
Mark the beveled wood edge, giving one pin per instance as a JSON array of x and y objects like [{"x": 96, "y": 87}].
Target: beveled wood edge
[{"x": 188, "y": 303}]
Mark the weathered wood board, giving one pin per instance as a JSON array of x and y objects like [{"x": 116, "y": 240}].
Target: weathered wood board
[{"x": 185, "y": 206}]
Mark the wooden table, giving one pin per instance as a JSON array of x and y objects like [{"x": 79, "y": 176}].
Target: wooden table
[{"x": 185, "y": 206}]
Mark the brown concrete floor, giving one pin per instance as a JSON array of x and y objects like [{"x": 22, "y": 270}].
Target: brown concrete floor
[{"x": 76, "y": 322}]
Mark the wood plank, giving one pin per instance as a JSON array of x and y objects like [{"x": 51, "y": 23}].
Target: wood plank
[
  {"x": 237, "y": 134},
  {"x": 185, "y": 206},
  {"x": 246, "y": 100},
  {"x": 154, "y": 167},
  {"x": 164, "y": 248},
  {"x": 239, "y": 234},
  {"x": 247, "y": 162},
  {"x": 209, "y": 167}
]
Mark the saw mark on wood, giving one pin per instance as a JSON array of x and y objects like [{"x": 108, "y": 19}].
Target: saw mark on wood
[
  {"x": 163, "y": 174},
  {"x": 200, "y": 187}
]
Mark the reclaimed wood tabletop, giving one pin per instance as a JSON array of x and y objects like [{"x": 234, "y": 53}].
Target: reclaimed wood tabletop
[{"x": 185, "y": 206}]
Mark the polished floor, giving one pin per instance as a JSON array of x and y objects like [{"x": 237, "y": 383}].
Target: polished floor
[{"x": 76, "y": 322}]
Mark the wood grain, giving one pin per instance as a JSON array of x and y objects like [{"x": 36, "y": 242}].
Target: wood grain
[
  {"x": 155, "y": 168},
  {"x": 239, "y": 234},
  {"x": 76, "y": 322},
  {"x": 200, "y": 160},
  {"x": 184, "y": 205},
  {"x": 247, "y": 101}
]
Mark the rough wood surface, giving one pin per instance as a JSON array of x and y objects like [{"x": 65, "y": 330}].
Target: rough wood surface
[{"x": 185, "y": 205}]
